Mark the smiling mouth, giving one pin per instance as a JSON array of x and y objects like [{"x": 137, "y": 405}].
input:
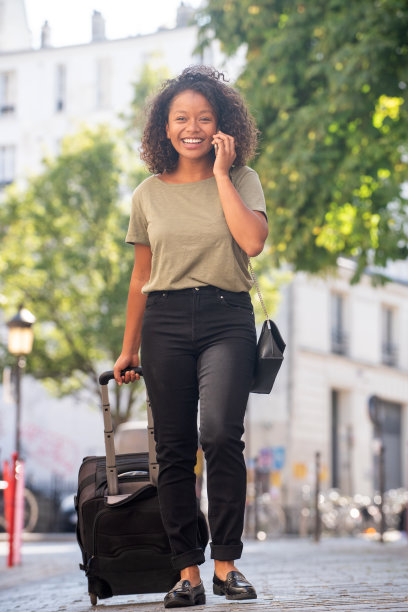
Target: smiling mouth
[{"x": 192, "y": 140}]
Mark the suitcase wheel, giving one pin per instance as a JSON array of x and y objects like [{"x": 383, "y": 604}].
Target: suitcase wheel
[{"x": 93, "y": 598}]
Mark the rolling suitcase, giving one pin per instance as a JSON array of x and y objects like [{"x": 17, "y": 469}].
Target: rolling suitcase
[{"x": 125, "y": 549}]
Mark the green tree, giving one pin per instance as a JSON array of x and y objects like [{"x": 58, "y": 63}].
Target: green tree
[
  {"x": 270, "y": 281},
  {"x": 62, "y": 254},
  {"x": 151, "y": 76},
  {"x": 327, "y": 82}
]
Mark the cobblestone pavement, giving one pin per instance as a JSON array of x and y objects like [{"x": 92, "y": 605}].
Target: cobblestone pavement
[{"x": 289, "y": 574}]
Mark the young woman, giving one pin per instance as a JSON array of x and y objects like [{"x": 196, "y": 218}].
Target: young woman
[{"x": 193, "y": 224}]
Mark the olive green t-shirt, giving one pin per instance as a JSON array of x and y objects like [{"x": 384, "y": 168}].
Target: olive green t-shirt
[{"x": 185, "y": 227}]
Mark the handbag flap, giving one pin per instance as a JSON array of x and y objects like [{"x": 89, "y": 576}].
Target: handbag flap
[
  {"x": 270, "y": 344},
  {"x": 277, "y": 336}
]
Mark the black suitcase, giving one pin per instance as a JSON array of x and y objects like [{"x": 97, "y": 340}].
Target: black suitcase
[{"x": 125, "y": 549}]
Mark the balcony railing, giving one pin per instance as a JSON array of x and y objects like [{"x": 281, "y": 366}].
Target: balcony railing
[
  {"x": 7, "y": 109},
  {"x": 339, "y": 342},
  {"x": 389, "y": 354}
]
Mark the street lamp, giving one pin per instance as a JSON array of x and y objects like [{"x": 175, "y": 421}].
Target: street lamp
[{"x": 20, "y": 344}]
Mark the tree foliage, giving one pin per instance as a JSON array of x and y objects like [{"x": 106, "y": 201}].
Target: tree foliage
[
  {"x": 62, "y": 254},
  {"x": 152, "y": 75},
  {"x": 327, "y": 82}
]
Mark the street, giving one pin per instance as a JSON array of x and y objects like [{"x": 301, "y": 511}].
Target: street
[{"x": 289, "y": 574}]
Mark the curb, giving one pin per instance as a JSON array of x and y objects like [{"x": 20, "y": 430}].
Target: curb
[{"x": 43, "y": 537}]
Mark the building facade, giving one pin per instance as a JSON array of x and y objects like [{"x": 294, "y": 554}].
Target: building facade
[
  {"x": 343, "y": 387},
  {"x": 49, "y": 92}
]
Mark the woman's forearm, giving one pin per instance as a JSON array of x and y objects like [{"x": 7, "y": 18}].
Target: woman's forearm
[
  {"x": 136, "y": 300},
  {"x": 134, "y": 317},
  {"x": 249, "y": 228}
]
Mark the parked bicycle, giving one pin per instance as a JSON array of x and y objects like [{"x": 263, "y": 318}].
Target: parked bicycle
[
  {"x": 31, "y": 510},
  {"x": 265, "y": 517},
  {"x": 349, "y": 515}
]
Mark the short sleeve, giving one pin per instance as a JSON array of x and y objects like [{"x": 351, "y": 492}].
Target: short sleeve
[
  {"x": 246, "y": 182},
  {"x": 137, "y": 230}
]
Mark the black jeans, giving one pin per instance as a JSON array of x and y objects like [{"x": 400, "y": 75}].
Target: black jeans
[{"x": 200, "y": 344}]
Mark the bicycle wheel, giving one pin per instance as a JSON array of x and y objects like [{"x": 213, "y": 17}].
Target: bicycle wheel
[
  {"x": 3, "y": 525},
  {"x": 30, "y": 511},
  {"x": 276, "y": 521}
]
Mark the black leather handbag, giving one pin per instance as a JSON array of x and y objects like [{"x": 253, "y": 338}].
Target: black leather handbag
[{"x": 269, "y": 350}]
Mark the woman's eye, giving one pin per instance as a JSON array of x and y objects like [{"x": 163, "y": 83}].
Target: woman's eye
[{"x": 180, "y": 118}]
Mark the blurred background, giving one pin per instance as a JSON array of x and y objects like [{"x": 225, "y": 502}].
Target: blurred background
[{"x": 327, "y": 84}]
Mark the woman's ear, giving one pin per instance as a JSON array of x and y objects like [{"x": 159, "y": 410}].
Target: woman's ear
[{"x": 167, "y": 130}]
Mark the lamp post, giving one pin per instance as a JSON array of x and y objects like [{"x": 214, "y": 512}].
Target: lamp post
[{"x": 20, "y": 344}]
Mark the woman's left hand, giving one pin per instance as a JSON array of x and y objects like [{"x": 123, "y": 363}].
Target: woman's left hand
[{"x": 224, "y": 153}]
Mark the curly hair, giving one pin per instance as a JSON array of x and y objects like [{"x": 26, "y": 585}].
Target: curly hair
[{"x": 232, "y": 114}]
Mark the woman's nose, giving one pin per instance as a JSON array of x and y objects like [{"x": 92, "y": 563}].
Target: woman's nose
[{"x": 192, "y": 126}]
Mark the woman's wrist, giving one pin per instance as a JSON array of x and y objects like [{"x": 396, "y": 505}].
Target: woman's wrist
[
  {"x": 222, "y": 176},
  {"x": 130, "y": 351}
]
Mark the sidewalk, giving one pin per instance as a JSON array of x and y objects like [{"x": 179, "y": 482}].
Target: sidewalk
[{"x": 289, "y": 574}]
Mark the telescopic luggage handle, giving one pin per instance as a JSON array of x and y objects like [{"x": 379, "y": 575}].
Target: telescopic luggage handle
[
  {"x": 108, "y": 375},
  {"x": 111, "y": 470}
]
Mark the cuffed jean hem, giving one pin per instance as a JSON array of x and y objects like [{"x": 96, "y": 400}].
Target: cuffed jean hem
[
  {"x": 191, "y": 557},
  {"x": 226, "y": 552}
]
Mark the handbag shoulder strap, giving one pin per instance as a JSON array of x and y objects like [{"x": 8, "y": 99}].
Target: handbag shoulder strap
[
  {"x": 254, "y": 278},
  {"x": 251, "y": 270}
]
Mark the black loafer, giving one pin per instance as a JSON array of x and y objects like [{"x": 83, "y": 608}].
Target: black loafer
[
  {"x": 236, "y": 586},
  {"x": 183, "y": 595}
]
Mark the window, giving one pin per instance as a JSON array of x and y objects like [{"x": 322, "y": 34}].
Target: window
[
  {"x": 341, "y": 442},
  {"x": 60, "y": 88},
  {"x": 338, "y": 335},
  {"x": 7, "y": 165},
  {"x": 335, "y": 463},
  {"x": 389, "y": 348},
  {"x": 7, "y": 93},
  {"x": 387, "y": 429},
  {"x": 103, "y": 83}
]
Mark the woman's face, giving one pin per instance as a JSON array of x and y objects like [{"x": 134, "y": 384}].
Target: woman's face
[{"x": 191, "y": 125}]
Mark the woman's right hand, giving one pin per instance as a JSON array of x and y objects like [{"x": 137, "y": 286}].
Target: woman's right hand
[{"x": 122, "y": 362}]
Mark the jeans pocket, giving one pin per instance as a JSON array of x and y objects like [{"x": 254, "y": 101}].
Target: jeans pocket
[
  {"x": 240, "y": 301},
  {"x": 155, "y": 298}
]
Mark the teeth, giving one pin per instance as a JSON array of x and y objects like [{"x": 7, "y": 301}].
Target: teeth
[{"x": 192, "y": 140}]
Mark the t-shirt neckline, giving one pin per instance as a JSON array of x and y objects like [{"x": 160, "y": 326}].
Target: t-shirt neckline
[{"x": 210, "y": 178}]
